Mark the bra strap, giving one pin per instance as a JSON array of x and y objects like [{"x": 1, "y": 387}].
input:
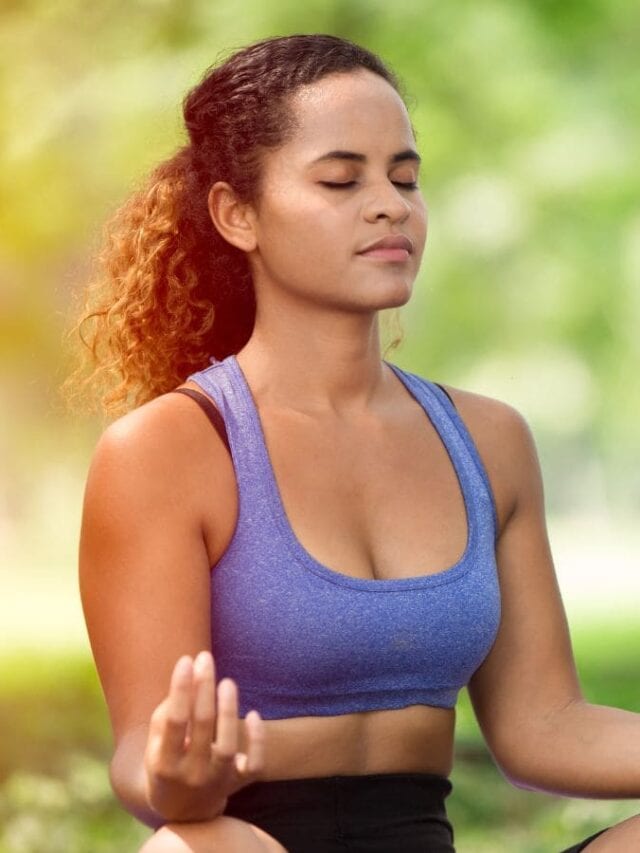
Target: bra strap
[
  {"x": 446, "y": 392},
  {"x": 209, "y": 409}
]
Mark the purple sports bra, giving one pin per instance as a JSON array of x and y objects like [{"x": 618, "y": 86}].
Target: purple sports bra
[{"x": 300, "y": 638}]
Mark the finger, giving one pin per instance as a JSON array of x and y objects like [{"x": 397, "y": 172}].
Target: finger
[
  {"x": 226, "y": 742},
  {"x": 203, "y": 712},
  {"x": 178, "y": 709},
  {"x": 213, "y": 670},
  {"x": 253, "y": 760},
  {"x": 156, "y": 732}
]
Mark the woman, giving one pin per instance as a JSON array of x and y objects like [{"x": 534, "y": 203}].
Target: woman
[{"x": 353, "y": 542}]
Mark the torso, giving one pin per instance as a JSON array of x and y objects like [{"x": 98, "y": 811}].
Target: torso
[{"x": 385, "y": 507}]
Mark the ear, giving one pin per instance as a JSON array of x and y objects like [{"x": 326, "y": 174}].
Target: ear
[{"x": 232, "y": 219}]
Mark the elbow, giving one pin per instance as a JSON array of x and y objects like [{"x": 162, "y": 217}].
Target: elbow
[
  {"x": 523, "y": 763},
  {"x": 531, "y": 753},
  {"x": 517, "y": 778},
  {"x": 504, "y": 762},
  {"x": 515, "y": 773},
  {"x": 513, "y": 757},
  {"x": 119, "y": 785},
  {"x": 128, "y": 788}
]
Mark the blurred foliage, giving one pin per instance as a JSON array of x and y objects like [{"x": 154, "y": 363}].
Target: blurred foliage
[
  {"x": 54, "y": 786},
  {"x": 55, "y": 793}
]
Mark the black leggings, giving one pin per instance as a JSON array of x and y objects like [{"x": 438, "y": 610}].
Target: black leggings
[{"x": 373, "y": 813}]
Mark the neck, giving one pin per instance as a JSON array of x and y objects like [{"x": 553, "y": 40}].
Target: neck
[{"x": 335, "y": 369}]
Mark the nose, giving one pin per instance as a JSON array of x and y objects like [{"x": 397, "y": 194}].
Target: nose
[{"x": 387, "y": 200}]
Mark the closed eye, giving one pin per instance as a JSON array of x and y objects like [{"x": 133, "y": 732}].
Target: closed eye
[{"x": 332, "y": 185}]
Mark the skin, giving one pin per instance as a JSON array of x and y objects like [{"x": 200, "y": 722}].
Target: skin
[{"x": 161, "y": 505}]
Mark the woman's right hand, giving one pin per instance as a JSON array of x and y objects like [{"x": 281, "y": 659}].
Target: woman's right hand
[{"x": 191, "y": 760}]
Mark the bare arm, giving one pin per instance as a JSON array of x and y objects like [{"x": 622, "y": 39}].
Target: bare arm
[
  {"x": 526, "y": 695},
  {"x": 144, "y": 583}
]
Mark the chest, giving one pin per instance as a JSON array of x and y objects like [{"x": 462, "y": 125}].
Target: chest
[{"x": 368, "y": 499}]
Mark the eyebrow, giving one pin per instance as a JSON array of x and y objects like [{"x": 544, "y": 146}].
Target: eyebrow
[{"x": 407, "y": 154}]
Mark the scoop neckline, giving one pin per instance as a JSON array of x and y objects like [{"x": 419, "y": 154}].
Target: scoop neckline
[{"x": 451, "y": 573}]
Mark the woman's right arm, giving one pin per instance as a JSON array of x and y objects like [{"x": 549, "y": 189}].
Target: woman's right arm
[{"x": 144, "y": 580}]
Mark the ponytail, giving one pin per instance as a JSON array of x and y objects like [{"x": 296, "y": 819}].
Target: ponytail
[{"x": 147, "y": 320}]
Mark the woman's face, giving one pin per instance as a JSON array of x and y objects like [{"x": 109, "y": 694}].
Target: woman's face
[{"x": 308, "y": 234}]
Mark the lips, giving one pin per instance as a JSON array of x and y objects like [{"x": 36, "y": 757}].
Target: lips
[{"x": 391, "y": 241}]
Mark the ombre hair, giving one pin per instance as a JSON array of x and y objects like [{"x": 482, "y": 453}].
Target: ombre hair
[{"x": 169, "y": 291}]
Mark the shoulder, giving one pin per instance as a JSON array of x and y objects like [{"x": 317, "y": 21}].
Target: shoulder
[
  {"x": 152, "y": 437},
  {"x": 163, "y": 453},
  {"x": 162, "y": 430},
  {"x": 505, "y": 443},
  {"x": 490, "y": 417}
]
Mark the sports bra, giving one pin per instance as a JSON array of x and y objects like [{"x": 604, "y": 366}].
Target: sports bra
[{"x": 300, "y": 638}]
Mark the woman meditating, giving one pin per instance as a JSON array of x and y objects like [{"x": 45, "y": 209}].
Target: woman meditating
[{"x": 290, "y": 567}]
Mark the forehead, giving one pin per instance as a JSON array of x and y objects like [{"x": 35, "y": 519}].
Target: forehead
[{"x": 357, "y": 110}]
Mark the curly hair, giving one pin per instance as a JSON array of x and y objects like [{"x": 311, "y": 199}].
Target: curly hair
[{"x": 169, "y": 291}]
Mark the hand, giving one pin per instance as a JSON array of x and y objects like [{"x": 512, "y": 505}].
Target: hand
[{"x": 191, "y": 759}]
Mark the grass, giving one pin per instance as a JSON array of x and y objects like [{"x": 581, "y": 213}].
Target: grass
[{"x": 56, "y": 744}]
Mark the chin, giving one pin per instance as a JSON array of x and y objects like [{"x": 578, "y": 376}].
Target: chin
[
  {"x": 395, "y": 292},
  {"x": 395, "y": 298}
]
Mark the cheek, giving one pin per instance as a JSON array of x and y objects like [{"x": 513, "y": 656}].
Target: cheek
[
  {"x": 420, "y": 209},
  {"x": 309, "y": 232},
  {"x": 421, "y": 221}
]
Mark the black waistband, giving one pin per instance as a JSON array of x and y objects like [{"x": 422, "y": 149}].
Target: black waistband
[{"x": 388, "y": 788}]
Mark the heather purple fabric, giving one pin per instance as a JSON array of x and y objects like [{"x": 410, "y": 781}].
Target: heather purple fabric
[{"x": 300, "y": 638}]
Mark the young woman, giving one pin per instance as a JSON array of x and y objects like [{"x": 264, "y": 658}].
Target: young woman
[{"x": 290, "y": 567}]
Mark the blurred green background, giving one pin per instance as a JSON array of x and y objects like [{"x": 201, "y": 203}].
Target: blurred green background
[{"x": 528, "y": 122}]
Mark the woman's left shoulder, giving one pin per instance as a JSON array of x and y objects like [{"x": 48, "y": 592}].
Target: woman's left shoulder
[
  {"x": 505, "y": 443},
  {"x": 488, "y": 415}
]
